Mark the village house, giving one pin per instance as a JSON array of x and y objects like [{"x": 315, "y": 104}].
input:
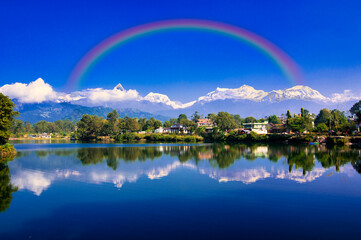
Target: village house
[
  {"x": 277, "y": 128},
  {"x": 178, "y": 128},
  {"x": 43, "y": 135},
  {"x": 162, "y": 130},
  {"x": 259, "y": 128},
  {"x": 206, "y": 123}
]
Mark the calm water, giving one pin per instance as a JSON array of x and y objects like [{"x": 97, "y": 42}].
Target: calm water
[{"x": 175, "y": 191}]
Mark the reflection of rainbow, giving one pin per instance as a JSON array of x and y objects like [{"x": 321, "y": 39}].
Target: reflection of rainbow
[{"x": 287, "y": 65}]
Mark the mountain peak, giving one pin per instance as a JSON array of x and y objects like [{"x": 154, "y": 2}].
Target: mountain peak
[
  {"x": 297, "y": 92},
  {"x": 119, "y": 87}
]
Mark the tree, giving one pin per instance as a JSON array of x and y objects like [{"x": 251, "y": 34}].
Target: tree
[
  {"x": 17, "y": 127},
  {"x": 167, "y": 124},
  {"x": 356, "y": 111},
  {"x": 170, "y": 122},
  {"x": 131, "y": 124},
  {"x": 339, "y": 120},
  {"x": 225, "y": 121},
  {"x": 181, "y": 117},
  {"x": 28, "y": 128},
  {"x": 289, "y": 115},
  {"x": 152, "y": 124},
  {"x": 190, "y": 125},
  {"x": 7, "y": 115},
  {"x": 274, "y": 119},
  {"x": 324, "y": 116},
  {"x": 250, "y": 120},
  {"x": 195, "y": 117},
  {"x": 356, "y": 108},
  {"x": 237, "y": 118},
  {"x": 65, "y": 126},
  {"x": 141, "y": 123},
  {"x": 89, "y": 127},
  {"x": 300, "y": 123},
  {"x": 157, "y": 124},
  {"x": 41, "y": 126},
  {"x": 322, "y": 127},
  {"x": 111, "y": 126}
]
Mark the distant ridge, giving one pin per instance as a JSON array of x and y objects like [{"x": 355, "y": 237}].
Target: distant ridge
[{"x": 53, "y": 111}]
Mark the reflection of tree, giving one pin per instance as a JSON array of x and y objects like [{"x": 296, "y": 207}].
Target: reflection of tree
[
  {"x": 336, "y": 157},
  {"x": 6, "y": 188},
  {"x": 357, "y": 166},
  {"x": 112, "y": 155},
  {"x": 89, "y": 156},
  {"x": 42, "y": 153},
  {"x": 301, "y": 157},
  {"x": 223, "y": 156}
]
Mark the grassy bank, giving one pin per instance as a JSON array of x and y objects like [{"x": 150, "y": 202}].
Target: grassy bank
[{"x": 7, "y": 152}]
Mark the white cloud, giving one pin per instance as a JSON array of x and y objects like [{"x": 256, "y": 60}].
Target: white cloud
[
  {"x": 33, "y": 181},
  {"x": 38, "y": 91},
  {"x": 98, "y": 96},
  {"x": 34, "y": 92},
  {"x": 346, "y": 96}
]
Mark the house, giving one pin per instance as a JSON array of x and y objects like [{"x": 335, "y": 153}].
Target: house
[
  {"x": 178, "y": 128},
  {"x": 43, "y": 135},
  {"x": 207, "y": 124},
  {"x": 259, "y": 128},
  {"x": 161, "y": 130},
  {"x": 277, "y": 128}
]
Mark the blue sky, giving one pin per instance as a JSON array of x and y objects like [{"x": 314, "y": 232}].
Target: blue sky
[{"x": 47, "y": 38}]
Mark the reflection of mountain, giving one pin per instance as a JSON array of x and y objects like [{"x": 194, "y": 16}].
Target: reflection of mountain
[{"x": 118, "y": 165}]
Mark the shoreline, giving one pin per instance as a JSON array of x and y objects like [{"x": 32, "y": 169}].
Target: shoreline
[{"x": 245, "y": 138}]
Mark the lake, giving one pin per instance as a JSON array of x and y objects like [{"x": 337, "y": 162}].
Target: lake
[{"x": 180, "y": 191}]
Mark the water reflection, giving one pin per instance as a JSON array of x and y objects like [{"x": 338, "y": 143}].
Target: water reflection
[
  {"x": 6, "y": 187},
  {"x": 37, "y": 170}
]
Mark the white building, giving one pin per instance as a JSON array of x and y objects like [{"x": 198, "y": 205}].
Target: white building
[{"x": 259, "y": 128}]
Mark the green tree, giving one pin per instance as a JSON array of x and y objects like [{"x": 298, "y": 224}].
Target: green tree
[
  {"x": 289, "y": 115},
  {"x": 322, "y": 127},
  {"x": 141, "y": 123},
  {"x": 250, "y": 120},
  {"x": 238, "y": 120},
  {"x": 324, "y": 116},
  {"x": 167, "y": 124},
  {"x": 41, "y": 126},
  {"x": 190, "y": 125},
  {"x": 225, "y": 121},
  {"x": 157, "y": 124},
  {"x": 89, "y": 127},
  {"x": 274, "y": 119},
  {"x": 131, "y": 124},
  {"x": 7, "y": 115},
  {"x": 17, "y": 127},
  {"x": 196, "y": 117},
  {"x": 181, "y": 117},
  {"x": 28, "y": 128},
  {"x": 111, "y": 126}
]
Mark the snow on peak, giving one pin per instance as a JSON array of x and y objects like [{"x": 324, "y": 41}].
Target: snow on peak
[
  {"x": 162, "y": 98},
  {"x": 119, "y": 87},
  {"x": 297, "y": 92},
  {"x": 243, "y": 92}
]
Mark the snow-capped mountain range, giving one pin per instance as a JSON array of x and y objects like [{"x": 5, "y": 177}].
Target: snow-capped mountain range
[{"x": 259, "y": 102}]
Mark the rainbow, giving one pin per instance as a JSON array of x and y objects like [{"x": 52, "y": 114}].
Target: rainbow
[{"x": 285, "y": 63}]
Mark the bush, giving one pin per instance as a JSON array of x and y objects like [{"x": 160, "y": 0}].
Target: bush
[{"x": 7, "y": 152}]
